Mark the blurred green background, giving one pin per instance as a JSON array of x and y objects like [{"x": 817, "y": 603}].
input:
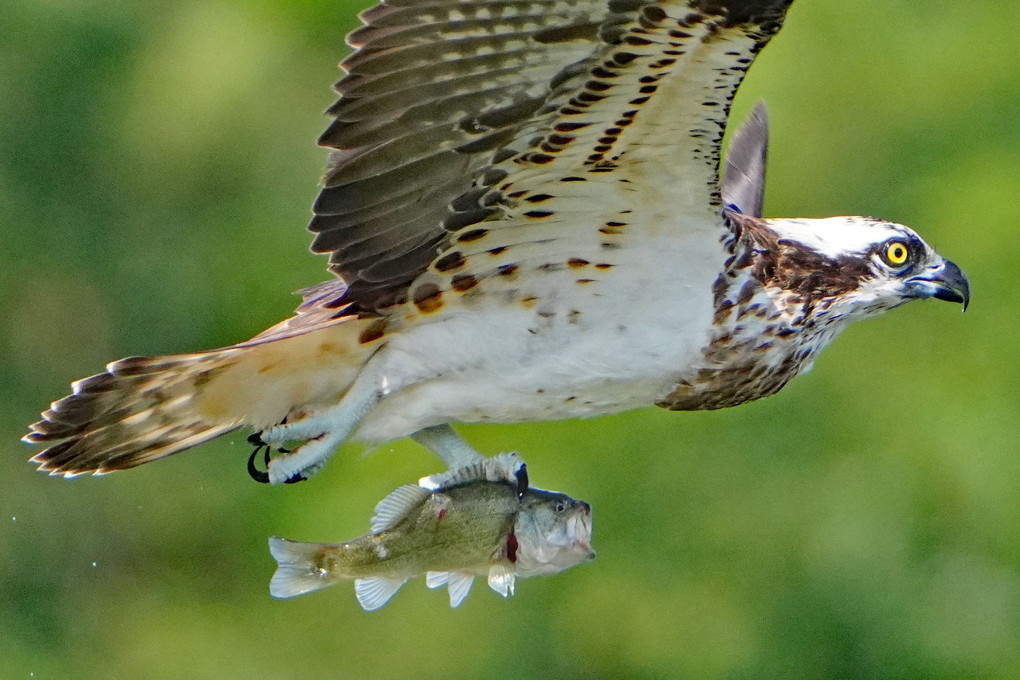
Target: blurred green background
[{"x": 157, "y": 164}]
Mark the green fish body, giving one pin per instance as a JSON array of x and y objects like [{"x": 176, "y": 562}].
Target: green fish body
[{"x": 451, "y": 528}]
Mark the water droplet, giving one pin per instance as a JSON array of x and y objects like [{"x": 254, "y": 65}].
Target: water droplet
[{"x": 94, "y": 565}]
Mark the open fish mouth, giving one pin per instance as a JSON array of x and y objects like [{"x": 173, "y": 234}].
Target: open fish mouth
[
  {"x": 579, "y": 528},
  {"x": 562, "y": 539}
]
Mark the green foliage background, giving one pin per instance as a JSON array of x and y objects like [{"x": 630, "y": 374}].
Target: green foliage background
[{"x": 157, "y": 166}]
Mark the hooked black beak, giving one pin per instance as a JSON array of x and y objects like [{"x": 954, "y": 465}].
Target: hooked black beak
[{"x": 948, "y": 282}]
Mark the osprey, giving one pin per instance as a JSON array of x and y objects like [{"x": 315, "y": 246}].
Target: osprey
[{"x": 524, "y": 212}]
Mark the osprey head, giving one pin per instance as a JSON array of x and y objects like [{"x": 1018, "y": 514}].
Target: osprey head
[{"x": 866, "y": 264}]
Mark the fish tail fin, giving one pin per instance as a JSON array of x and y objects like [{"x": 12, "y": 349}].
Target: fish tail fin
[{"x": 298, "y": 571}]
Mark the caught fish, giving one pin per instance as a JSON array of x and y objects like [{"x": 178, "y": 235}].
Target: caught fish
[{"x": 482, "y": 519}]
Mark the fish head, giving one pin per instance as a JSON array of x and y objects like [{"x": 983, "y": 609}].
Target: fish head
[{"x": 553, "y": 533}]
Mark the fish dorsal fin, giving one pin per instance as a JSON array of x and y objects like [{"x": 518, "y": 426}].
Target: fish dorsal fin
[
  {"x": 390, "y": 510},
  {"x": 436, "y": 579},
  {"x": 743, "y": 184},
  {"x": 376, "y": 591},
  {"x": 505, "y": 467},
  {"x": 502, "y": 579},
  {"x": 460, "y": 585}
]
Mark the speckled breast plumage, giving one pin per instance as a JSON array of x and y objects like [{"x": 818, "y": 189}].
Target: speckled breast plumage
[{"x": 763, "y": 334}]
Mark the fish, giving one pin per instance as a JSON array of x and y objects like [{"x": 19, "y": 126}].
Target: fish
[{"x": 482, "y": 519}]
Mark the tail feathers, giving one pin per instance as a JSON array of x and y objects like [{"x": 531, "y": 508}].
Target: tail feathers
[
  {"x": 139, "y": 410},
  {"x": 298, "y": 571}
]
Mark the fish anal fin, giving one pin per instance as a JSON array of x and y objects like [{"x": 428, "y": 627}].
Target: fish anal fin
[
  {"x": 437, "y": 579},
  {"x": 460, "y": 585},
  {"x": 376, "y": 591}
]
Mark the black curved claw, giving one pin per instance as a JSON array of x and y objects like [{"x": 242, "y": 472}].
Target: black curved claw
[
  {"x": 262, "y": 477},
  {"x": 522, "y": 480},
  {"x": 255, "y": 439}
]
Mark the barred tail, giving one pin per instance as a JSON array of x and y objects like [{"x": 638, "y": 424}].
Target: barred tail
[{"x": 139, "y": 410}]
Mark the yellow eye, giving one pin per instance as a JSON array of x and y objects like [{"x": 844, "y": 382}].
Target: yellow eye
[{"x": 896, "y": 253}]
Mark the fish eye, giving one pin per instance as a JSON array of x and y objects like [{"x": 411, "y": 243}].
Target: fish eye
[
  {"x": 560, "y": 506},
  {"x": 896, "y": 253}
]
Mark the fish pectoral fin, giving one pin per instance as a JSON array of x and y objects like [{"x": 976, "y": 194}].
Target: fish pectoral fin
[
  {"x": 436, "y": 579},
  {"x": 298, "y": 571},
  {"x": 390, "y": 510},
  {"x": 376, "y": 591},
  {"x": 502, "y": 579},
  {"x": 460, "y": 585}
]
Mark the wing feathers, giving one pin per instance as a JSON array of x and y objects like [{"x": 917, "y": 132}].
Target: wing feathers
[
  {"x": 743, "y": 185},
  {"x": 409, "y": 179},
  {"x": 422, "y": 110},
  {"x": 441, "y": 93}
]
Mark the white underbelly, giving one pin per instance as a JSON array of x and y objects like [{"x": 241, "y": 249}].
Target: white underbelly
[
  {"x": 530, "y": 393},
  {"x": 580, "y": 357}
]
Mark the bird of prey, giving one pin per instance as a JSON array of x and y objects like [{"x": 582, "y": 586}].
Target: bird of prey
[{"x": 525, "y": 217}]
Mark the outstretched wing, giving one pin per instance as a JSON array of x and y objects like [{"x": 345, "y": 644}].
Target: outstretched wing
[
  {"x": 457, "y": 112},
  {"x": 743, "y": 183}
]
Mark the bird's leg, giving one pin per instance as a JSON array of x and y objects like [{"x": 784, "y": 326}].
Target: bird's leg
[
  {"x": 457, "y": 454},
  {"x": 322, "y": 431},
  {"x": 448, "y": 445}
]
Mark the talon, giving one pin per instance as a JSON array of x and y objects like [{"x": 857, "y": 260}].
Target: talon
[
  {"x": 256, "y": 474},
  {"x": 522, "y": 480},
  {"x": 255, "y": 439}
]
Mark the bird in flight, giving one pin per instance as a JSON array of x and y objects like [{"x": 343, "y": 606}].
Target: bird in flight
[{"x": 526, "y": 220}]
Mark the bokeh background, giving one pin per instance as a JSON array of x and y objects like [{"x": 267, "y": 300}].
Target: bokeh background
[{"x": 157, "y": 164}]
